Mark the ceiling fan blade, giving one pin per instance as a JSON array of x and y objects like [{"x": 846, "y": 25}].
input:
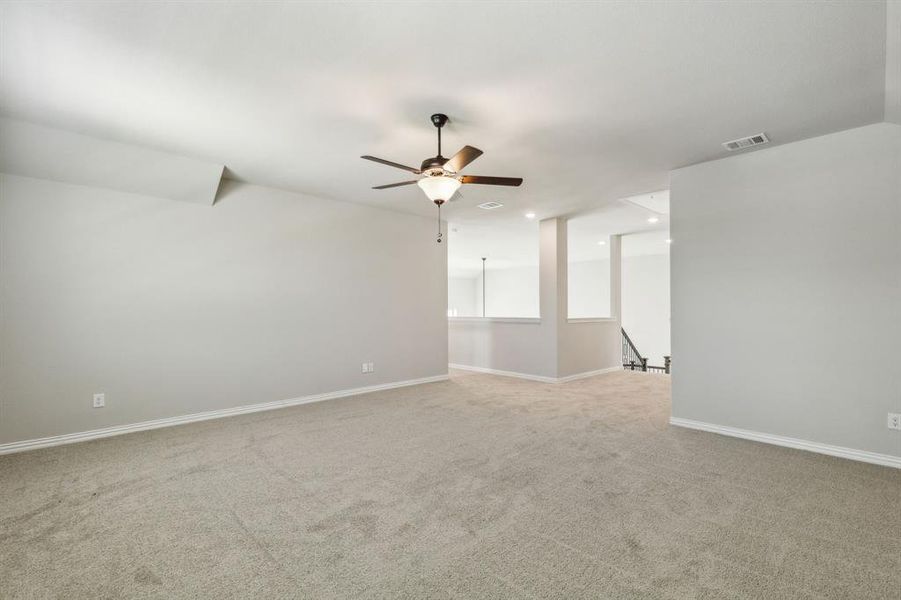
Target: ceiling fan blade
[
  {"x": 466, "y": 155},
  {"x": 391, "y": 185},
  {"x": 392, "y": 164},
  {"x": 483, "y": 180}
]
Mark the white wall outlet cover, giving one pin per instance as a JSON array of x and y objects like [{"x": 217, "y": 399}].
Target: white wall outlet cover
[
  {"x": 99, "y": 400},
  {"x": 365, "y": 367},
  {"x": 372, "y": 367},
  {"x": 894, "y": 421}
]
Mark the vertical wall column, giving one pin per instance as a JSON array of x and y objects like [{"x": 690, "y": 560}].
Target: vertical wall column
[
  {"x": 552, "y": 272},
  {"x": 552, "y": 287},
  {"x": 616, "y": 277}
]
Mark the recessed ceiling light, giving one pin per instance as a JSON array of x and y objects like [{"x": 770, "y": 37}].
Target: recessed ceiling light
[
  {"x": 530, "y": 215},
  {"x": 669, "y": 241},
  {"x": 602, "y": 243},
  {"x": 653, "y": 219}
]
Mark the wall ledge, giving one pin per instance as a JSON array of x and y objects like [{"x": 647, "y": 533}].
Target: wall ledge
[
  {"x": 524, "y": 320},
  {"x": 592, "y": 320},
  {"x": 95, "y": 434},
  {"x": 30, "y": 150},
  {"x": 885, "y": 460}
]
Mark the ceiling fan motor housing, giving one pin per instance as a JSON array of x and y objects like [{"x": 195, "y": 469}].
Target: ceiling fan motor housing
[{"x": 432, "y": 164}]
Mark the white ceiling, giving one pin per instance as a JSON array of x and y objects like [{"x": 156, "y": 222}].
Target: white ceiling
[
  {"x": 589, "y": 102},
  {"x": 514, "y": 243},
  {"x": 626, "y": 217}
]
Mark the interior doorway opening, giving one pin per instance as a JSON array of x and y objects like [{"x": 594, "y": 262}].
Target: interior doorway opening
[{"x": 646, "y": 299}]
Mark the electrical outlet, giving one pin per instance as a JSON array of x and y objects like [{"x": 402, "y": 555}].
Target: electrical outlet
[
  {"x": 99, "y": 400},
  {"x": 894, "y": 421},
  {"x": 365, "y": 367},
  {"x": 372, "y": 367}
]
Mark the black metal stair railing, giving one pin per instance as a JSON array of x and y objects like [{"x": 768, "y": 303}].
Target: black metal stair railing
[{"x": 634, "y": 361}]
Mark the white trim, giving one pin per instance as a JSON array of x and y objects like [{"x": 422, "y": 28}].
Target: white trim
[
  {"x": 589, "y": 374},
  {"x": 83, "y": 436},
  {"x": 886, "y": 460},
  {"x": 541, "y": 378},
  {"x": 525, "y": 320}
]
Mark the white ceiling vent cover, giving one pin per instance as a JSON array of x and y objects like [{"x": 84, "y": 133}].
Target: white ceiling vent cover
[
  {"x": 490, "y": 205},
  {"x": 746, "y": 142}
]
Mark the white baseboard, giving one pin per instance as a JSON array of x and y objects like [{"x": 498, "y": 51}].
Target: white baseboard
[
  {"x": 886, "y": 460},
  {"x": 589, "y": 374},
  {"x": 83, "y": 436},
  {"x": 541, "y": 378}
]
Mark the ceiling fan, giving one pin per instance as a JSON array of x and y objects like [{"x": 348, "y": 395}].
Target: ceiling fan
[{"x": 440, "y": 176}]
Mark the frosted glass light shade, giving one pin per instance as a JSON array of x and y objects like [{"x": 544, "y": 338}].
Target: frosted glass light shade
[{"x": 439, "y": 187}]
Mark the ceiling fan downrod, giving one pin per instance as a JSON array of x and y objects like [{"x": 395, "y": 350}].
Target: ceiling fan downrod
[
  {"x": 439, "y": 120},
  {"x": 438, "y": 203}
]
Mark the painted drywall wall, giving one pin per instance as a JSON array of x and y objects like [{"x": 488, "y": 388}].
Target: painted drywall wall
[
  {"x": 589, "y": 289},
  {"x": 510, "y": 292},
  {"x": 516, "y": 347},
  {"x": 893, "y": 61},
  {"x": 646, "y": 304},
  {"x": 461, "y": 297},
  {"x": 589, "y": 347},
  {"x": 786, "y": 289},
  {"x": 172, "y": 308},
  {"x": 513, "y": 292}
]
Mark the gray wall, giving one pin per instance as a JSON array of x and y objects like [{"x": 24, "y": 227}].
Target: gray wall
[
  {"x": 786, "y": 289},
  {"x": 461, "y": 297},
  {"x": 588, "y": 289},
  {"x": 893, "y": 61},
  {"x": 518, "y": 347},
  {"x": 512, "y": 292},
  {"x": 173, "y": 308}
]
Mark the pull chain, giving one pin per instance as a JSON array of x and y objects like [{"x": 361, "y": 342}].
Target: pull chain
[{"x": 439, "y": 218}]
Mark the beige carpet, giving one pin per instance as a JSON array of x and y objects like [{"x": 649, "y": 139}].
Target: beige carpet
[{"x": 481, "y": 487}]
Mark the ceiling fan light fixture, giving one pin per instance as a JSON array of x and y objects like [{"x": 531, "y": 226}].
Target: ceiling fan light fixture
[
  {"x": 439, "y": 187},
  {"x": 440, "y": 181}
]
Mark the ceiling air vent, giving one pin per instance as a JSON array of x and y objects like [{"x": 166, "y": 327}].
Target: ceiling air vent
[
  {"x": 490, "y": 205},
  {"x": 746, "y": 142}
]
